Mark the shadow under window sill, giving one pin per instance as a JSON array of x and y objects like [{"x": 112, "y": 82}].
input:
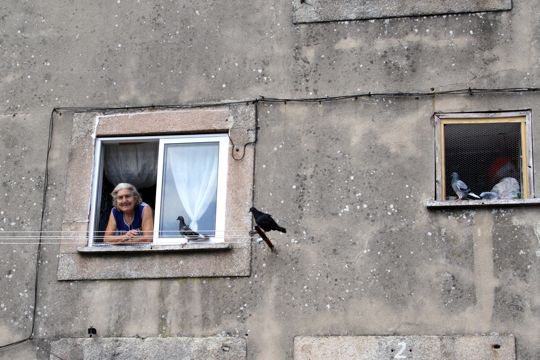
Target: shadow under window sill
[
  {"x": 434, "y": 204},
  {"x": 153, "y": 248}
]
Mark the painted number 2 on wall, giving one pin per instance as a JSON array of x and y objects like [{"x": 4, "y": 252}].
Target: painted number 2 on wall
[{"x": 400, "y": 354}]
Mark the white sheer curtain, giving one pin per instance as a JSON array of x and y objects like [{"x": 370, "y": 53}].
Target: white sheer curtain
[
  {"x": 132, "y": 163},
  {"x": 194, "y": 169}
]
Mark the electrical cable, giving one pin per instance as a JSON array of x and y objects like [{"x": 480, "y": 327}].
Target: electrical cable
[
  {"x": 263, "y": 99},
  {"x": 39, "y": 251}
]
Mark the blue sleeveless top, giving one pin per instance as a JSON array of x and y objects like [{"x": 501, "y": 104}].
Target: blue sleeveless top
[{"x": 136, "y": 224}]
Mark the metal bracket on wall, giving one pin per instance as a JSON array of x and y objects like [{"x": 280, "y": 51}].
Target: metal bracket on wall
[{"x": 242, "y": 130}]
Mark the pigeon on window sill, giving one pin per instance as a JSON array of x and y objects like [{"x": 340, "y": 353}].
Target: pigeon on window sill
[
  {"x": 461, "y": 189},
  {"x": 185, "y": 231}
]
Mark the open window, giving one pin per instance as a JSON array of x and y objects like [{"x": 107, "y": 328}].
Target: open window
[
  {"x": 176, "y": 175},
  {"x": 158, "y": 147},
  {"x": 491, "y": 152}
]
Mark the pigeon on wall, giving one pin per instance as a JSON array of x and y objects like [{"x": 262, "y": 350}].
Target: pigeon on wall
[
  {"x": 461, "y": 189},
  {"x": 186, "y": 231},
  {"x": 265, "y": 221}
]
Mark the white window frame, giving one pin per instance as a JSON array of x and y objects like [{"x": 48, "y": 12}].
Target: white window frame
[{"x": 221, "y": 139}]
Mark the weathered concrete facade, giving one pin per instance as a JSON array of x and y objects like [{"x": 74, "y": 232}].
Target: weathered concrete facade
[{"x": 349, "y": 177}]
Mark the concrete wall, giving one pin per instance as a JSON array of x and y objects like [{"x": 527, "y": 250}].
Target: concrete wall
[{"x": 348, "y": 178}]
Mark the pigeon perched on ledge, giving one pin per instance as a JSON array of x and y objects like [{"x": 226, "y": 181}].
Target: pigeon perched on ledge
[
  {"x": 461, "y": 189},
  {"x": 489, "y": 195},
  {"x": 265, "y": 221},
  {"x": 186, "y": 231}
]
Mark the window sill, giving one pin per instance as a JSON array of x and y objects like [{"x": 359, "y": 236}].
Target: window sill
[
  {"x": 150, "y": 248},
  {"x": 147, "y": 261},
  {"x": 434, "y": 204}
]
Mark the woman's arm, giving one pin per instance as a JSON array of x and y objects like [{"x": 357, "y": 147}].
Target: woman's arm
[
  {"x": 147, "y": 225},
  {"x": 109, "y": 236},
  {"x": 145, "y": 235}
]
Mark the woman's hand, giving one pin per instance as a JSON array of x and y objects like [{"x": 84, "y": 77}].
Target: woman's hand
[
  {"x": 143, "y": 235},
  {"x": 131, "y": 235}
]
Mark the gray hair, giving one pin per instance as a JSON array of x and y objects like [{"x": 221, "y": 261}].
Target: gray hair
[{"x": 127, "y": 186}]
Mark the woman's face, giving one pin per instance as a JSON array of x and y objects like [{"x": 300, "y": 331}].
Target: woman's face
[{"x": 125, "y": 200}]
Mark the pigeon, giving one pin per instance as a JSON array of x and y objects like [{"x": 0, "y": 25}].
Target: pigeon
[
  {"x": 461, "y": 189},
  {"x": 265, "y": 221},
  {"x": 489, "y": 195},
  {"x": 186, "y": 231}
]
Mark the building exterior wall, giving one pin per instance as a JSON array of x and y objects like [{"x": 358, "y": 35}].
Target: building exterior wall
[{"x": 349, "y": 177}]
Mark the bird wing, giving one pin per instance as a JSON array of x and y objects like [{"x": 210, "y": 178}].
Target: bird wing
[
  {"x": 188, "y": 233},
  {"x": 186, "y": 230},
  {"x": 267, "y": 219},
  {"x": 461, "y": 186},
  {"x": 465, "y": 190}
]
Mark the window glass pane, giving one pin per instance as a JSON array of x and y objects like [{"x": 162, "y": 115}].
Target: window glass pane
[
  {"x": 482, "y": 155},
  {"x": 190, "y": 178}
]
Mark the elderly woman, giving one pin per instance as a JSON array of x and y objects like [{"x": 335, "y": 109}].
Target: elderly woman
[{"x": 131, "y": 220}]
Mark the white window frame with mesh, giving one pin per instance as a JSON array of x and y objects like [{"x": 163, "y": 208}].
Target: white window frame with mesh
[{"x": 524, "y": 167}]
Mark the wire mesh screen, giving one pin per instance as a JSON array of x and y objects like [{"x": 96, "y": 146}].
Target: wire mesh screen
[{"x": 482, "y": 155}]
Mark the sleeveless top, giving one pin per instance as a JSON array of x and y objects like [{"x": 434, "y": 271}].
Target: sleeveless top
[{"x": 136, "y": 224}]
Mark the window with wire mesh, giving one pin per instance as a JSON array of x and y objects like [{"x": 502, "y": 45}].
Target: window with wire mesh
[{"x": 490, "y": 155}]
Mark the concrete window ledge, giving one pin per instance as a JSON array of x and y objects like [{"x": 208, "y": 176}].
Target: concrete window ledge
[
  {"x": 313, "y": 11},
  {"x": 212, "y": 347},
  {"x": 153, "y": 262},
  {"x": 434, "y": 204},
  {"x": 149, "y": 248},
  {"x": 425, "y": 347}
]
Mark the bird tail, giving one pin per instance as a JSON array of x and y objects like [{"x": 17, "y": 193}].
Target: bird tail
[
  {"x": 202, "y": 237},
  {"x": 473, "y": 195},
  {"x": 282, "y": 229}
]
